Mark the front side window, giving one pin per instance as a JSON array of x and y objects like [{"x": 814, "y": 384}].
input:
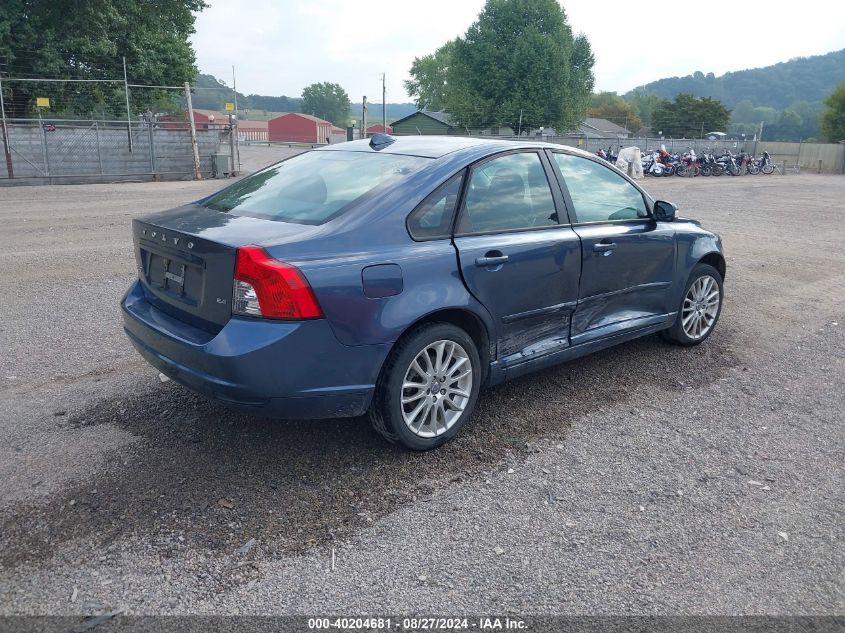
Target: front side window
[
  {"x": 433, "y": 218},
  {"x": 508, "y": 193},
  {"x": 314, "y": 187},
  {"x": 598, "y": 193}
]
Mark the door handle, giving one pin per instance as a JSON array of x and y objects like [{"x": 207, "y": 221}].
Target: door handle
[
  {"x": 604, "y": 247},
  {"x": 493, "y": 258}
]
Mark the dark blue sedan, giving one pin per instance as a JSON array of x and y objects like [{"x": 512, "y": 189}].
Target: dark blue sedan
[{"x": 397, "y": 276}]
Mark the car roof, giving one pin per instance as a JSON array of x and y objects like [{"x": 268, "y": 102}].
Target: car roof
[{"x": 431, "y": 146}]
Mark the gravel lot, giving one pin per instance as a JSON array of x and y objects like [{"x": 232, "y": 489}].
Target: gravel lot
[{"x": 645, "y": 479}]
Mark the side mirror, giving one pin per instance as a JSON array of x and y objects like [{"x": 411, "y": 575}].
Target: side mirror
[{"x": 664, "y": 211}]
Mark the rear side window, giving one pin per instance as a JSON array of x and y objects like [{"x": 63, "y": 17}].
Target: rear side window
[
  {"x": 599, "y": 193},
  {"x": 508, "y": 193},
  {"x": 314, "y": 187},
  {"x": 432, "y": 219}
]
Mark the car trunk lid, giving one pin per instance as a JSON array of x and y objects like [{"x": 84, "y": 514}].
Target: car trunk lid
[{"x": 185, "y": 275}]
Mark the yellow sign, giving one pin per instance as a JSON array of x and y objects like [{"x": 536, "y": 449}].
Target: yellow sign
[
  {"x": 42, "y": 102},
  {"x": 230, "y": 107}
]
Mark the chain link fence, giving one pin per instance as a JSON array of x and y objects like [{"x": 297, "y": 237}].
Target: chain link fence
[{"x": 62, "y": 151}]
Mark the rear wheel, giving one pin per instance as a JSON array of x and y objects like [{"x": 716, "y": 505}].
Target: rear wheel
[
  {"x": 705, "y": 170},
  {"x": 681, "y": 170},
  {"x": 700, "y": 307},
  {"x": 717, "y": 170},
  {"x": 428, "y": 387}
]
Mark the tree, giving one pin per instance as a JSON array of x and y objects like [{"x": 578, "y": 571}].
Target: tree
[
  {"x": 213, "y": 93},
  {"x": 643, "y": 103},
  {"x": 688, "y": 116},
  {"x": 833, "y": 116},
  {"x": 789, "y": 124},
  {"x": 610, "y": 106},
  {"x": 743, "y": 113},
  {"x": 517, "y": 63},
  {"x": 428, "y": 82},
  {"x": 87, "y": 40},
  {"x": 328, "y": 101}
]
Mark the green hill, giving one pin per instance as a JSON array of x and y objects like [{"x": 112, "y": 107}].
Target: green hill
[
  {"x": 786, "y": 97},
  {"x": 808, "y": 79},
  {"x": 212, "y": 94}
]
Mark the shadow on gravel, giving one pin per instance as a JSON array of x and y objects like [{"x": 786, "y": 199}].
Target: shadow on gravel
[{"x": 218, "y": 479}]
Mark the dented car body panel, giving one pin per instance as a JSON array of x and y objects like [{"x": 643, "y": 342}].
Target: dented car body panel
[{"x": 550, "y": 293}]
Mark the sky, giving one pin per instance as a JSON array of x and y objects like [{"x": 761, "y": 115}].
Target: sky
[{"x": 280, "y": 46}]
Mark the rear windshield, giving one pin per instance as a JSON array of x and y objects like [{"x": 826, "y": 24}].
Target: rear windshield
[{"x": 314, "y": 187}]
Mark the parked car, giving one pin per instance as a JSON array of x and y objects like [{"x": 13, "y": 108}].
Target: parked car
[{"x": 396, "y": 277}]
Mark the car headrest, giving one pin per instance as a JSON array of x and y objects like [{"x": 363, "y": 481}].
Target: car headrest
[{"x": 507, "y": 183}]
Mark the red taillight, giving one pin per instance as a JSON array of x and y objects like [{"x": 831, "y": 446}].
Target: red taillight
[{"x": 269, "y": 288}]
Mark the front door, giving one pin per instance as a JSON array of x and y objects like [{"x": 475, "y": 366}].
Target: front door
[
  {"x": 516, "y": 257},
  {"x": 628, "y": 259}
]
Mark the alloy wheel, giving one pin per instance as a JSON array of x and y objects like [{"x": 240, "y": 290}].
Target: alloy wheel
[
  {"x": 701, "y": 307},
  {"x": 436, "y": 388}
]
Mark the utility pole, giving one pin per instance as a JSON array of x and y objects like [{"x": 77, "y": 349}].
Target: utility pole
[
  {"x": 383, "y": 105},
  {"x": 233, "y": 134},
  {"x": 519, "y": 130},
  {"x": 9, "y": 169},
  {"x": 128, "y": 116},
  {"x": 197, "y": 170},
  {"x": 364, "y": 118},
  {"x": 236, "y": 166}
]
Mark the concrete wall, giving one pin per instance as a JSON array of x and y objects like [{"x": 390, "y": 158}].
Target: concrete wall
[
  {"x": 100, "y": 153},
  {"x": 807, "y": 155}
]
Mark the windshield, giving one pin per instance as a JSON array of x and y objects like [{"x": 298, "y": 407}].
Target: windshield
[{"x": 314, "y": 187}]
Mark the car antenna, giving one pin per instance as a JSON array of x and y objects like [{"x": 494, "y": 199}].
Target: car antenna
[{"x": 379, "y": 141}]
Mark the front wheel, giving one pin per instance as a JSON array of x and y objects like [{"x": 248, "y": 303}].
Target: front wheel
[
  {"x": 428, "y": 387},
  {"x": 706, "y": 170},
  {"x": 681, "y": 170},
  {"x": 767, "y": 169},
  {"x": 700, "y": 307}
]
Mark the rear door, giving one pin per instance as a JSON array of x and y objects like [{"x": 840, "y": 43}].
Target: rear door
[
  {"x": 628, "y": 258},
  {"x": 518, "y": 254}
]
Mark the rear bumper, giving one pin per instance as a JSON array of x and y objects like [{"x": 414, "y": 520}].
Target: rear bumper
[{"x": 274, "y": 368}]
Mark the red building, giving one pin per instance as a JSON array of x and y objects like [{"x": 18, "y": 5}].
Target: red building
[
  {"x": 378, "y": 128},
  {"x": 299, "y": 128},
  {"x": 252, "y": 130}
]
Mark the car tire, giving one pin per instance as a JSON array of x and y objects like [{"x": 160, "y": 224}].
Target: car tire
[
  {"x": 394, "y": 411},
  {"x": 699, "y": 311}
]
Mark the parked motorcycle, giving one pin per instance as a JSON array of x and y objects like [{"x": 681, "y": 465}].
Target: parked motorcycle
[
  {"x": 653, "y": 167},
  {"x": 729, "y": 163},
  {"x": 765, "y": 164},
  {"x": 688, "y": 165},
  {"x": 747, "y": 164},
  {"x": 709, "y": 166}
]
